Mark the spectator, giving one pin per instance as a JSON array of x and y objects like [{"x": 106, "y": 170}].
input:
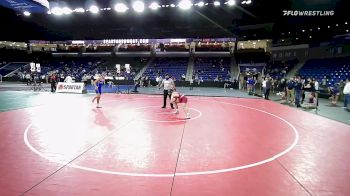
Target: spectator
[
  {"x": 268, "y": 88},
  {"x": 298, "y": 91},
  {"x": 264, "y": 86},
  {"x": 290, "y": 91},
  {"x": 334, "y": 91},
  {"x": 53, "y": 80},
  {"x": 346, "y": 92},
  {"x": 68, "y": 79}
]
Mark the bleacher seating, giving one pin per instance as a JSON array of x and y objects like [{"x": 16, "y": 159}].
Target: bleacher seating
[
  {"x": 278, "y": 69},
  {"x": 209, "y": 68},
  {"x": 10, "y": 67},
  {"x": 335, "y": 69},
  {"x": 175, "y": 67}
]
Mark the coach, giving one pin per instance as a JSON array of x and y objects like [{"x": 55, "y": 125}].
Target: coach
[{"x": 168, "y": 85}]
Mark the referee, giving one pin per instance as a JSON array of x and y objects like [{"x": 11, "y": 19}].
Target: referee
[{"x": 168, "y": 85}]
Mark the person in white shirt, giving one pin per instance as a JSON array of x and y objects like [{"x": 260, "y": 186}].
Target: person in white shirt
[
  {"x": 264, "y": 87},
  {"x": 68, "y": 79},
  {"x": 168, "y": 85},
  {"x": 346, "y": 92}
]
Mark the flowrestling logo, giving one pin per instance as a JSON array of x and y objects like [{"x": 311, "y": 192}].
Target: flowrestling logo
[{"x": 307, "y": 13}]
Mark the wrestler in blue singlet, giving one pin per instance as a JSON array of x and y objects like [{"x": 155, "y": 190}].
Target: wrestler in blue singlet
[{"x": 99, "y": 87}]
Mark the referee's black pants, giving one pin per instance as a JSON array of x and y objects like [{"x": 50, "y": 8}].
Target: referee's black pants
[
  {"x": 53, "y": 87},
  {"x": 167, "y": 93}
]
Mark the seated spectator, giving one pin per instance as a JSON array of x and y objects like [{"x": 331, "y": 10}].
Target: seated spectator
[
  {"x": 311, "y": 101},
  {"x": 183, "y": 77},
  {"x": 334, "y": 91},
  {"x": 68, "y": 79}
]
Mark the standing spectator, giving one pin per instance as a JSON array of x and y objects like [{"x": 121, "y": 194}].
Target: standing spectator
[
  {"x": 282, "y": 88},
  {"x": 268, "y": 88},
  {"x": 250, "y": 84},
  {"x": 298, "y": 90},
  {"x": 53, "y": 80},
  {"x": 290, "y": 90},
  {"x": 191, "y": 83},
  {"x": 317, "y": 89},
  {"x": 346, "y": 92},
  {"x": 324, "y": 81},
  {"x": 264, "y": 86},
  {"x": 28, "y": 78}
]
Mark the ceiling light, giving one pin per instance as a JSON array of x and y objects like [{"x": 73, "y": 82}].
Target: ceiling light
[
  {"x": 172, "y": 5},
  {"x": 185, "y": 4},
  {"x": 66, "y": 10},
  {"x": 26, "y": 13},
  {"x": 120, "y": 7},
  {"x": 57, "y": 11},
  {"x": 248, "y": 2},
  {"x": 154, "y": 6},
  {"x": 79, "y": 10},
  {"x": 216, "y": 3},
  {"x": 94, "y": 9},
  {"x": 200, "y": 4},
  {"x": 231, "y": 2},
  {"x": 138, "y": 6},
  {"x": 244, "y": 2}
]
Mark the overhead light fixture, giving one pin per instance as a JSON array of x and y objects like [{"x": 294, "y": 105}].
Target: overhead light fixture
[
  {"x": 138, "y": 6},
  {"x": 94, "y": 9},
  {"x": 154, "y": 6},
  {"x": 231, "y": 2},
  {"x": 26, "y": 13},
  {"x": 66, "y": 10},
  {"x": 216, "y": 3},
  {"x": 347, "y": 31},
  {"x": 303, "y": 30},
  {"x": 244, "y": 2},
  {"x": 120, "y": 7},
  {"x": 329, "y": 27},
  {"x": 79, "y": 10},
  {"x": 200, "y": 4},
  {"x": 248, "y": 2},
  {"x": 185, "y": 4},
  {"x": 57, "y": 11},
  {"x": 172, "y": 5},
  {"x": 336, "y": 25},
  {"x": 346, "y": 23},
  {"x": 318, "y": 28}
]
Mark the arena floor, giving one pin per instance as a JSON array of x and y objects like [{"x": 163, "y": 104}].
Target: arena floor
[{"x": 60, "y": 144}]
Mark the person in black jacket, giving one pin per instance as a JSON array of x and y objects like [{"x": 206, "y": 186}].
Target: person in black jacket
[
  {"x": 298, "y": 90},
  {"x": 268, "y": 88}
]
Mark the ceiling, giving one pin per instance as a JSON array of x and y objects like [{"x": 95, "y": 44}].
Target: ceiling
[{"x": 263, "y": 19}]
